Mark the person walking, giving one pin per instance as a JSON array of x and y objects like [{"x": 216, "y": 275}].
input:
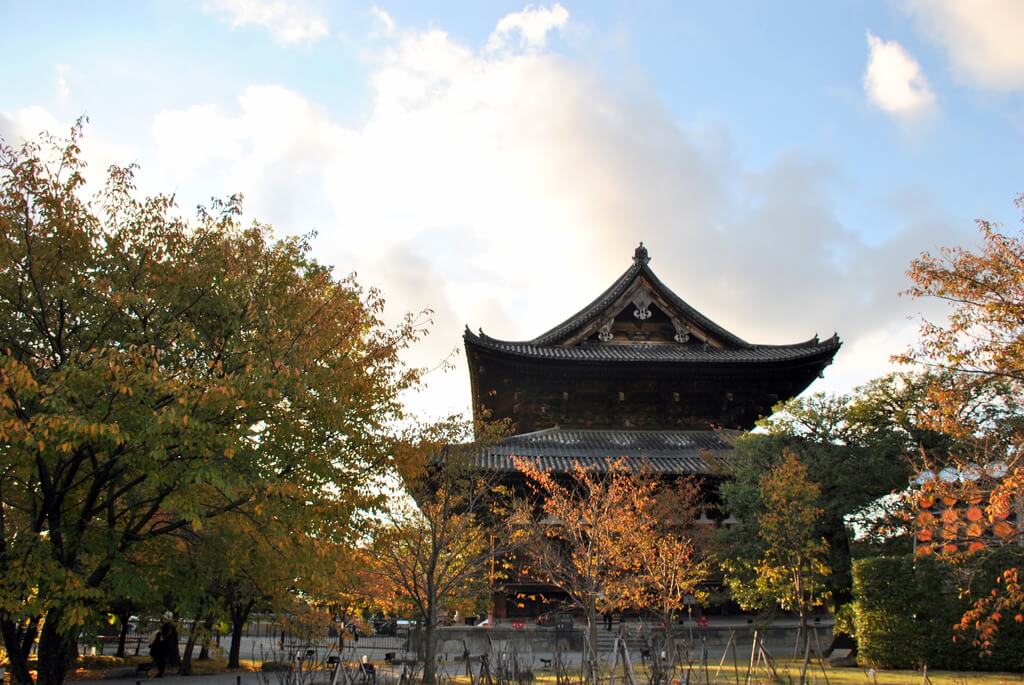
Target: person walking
[
  {"x": 170, "y": 643},
  {"x": 158, "y": 653}
]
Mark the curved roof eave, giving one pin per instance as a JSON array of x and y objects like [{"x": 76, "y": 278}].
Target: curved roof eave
[{"x": 825, "y": 349}]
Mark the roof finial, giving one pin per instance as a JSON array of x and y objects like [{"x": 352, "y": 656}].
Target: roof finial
[{"x": 640, "y": 254}]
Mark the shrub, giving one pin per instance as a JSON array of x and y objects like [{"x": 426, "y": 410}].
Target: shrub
[{"x": 905, "y": 610}]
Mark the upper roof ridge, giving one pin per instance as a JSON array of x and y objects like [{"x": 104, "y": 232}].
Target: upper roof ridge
[{"x": 640, "y": 269}]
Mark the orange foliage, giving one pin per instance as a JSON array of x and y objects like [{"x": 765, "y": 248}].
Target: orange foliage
[
  {"x": 980, "y": 494},
  {"x": 614, "y": 538}
]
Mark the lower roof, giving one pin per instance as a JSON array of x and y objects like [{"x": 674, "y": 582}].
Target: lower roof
[{"x": 662, "y": 452}]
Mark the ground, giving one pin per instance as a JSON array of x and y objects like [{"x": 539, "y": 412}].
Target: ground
[{"x": 788, "y": 671}]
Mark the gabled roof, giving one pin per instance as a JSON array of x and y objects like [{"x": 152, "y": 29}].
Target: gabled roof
[
  {"x": 640, "y": 269},
  {"x": 698, "y": 339},
  {"x": 663, "y": 452}
]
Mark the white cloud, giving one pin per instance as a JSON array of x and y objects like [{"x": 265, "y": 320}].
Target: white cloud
[
  {"x": 289, "y": 21},
  {"x": 506, "y": 189},
  {"x": 28, "y": 123},
  {"x": 532, "y": 24},
  {"x": 387, "y": 24},
  {"x": 893, "y": 80},
  {"x": 982, "y": 37}
]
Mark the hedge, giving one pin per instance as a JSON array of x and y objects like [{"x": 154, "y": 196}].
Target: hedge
[{"x": 905, "y": 610}]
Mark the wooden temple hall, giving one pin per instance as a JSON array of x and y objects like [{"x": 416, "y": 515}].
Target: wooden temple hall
[{"x": 637, "y": 374}]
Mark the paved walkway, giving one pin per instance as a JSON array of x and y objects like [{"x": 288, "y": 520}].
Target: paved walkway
[{"x": 219, "y": 679}]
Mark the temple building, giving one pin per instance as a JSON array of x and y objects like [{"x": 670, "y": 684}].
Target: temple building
[{"x": 637, "y": 374}]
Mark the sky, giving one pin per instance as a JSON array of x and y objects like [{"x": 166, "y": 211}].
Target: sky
[{"x": 497, "y": 162}]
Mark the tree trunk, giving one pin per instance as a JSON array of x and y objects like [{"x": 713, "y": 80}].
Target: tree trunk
[
  {"x": 807, "y": 658},
  {"x": 122, "y": 636},
  {"x": 802, "y": 608},
  {"x": 18, "y": 640},
  {"x": 204, "y": 648},
  {"x": 841, "y": 578},
  {"x": 343, "y": 613},
  {"x": 56, "y": 650},
  {"x": 190, "y": 645},
  {"x": 239, "y": 615},
  {"x": 590, "y": 653},
  {"x": 429, "y": 648}
]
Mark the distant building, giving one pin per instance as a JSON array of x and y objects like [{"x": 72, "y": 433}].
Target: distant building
[{"x": 636, "y": 374}]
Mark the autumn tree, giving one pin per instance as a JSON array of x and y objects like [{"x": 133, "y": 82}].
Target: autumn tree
[
  {"x": 157, "y": 372},
  {"x": 670, "y": 557},
  {"x": 434, "y": 548},
  {"x": 974, "y": 504},
  {"x": 591, "y": 534},
  {"x": 341, "y": 579}
]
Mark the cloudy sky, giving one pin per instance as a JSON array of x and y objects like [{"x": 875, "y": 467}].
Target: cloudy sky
[{"x": 498, "y": 162}]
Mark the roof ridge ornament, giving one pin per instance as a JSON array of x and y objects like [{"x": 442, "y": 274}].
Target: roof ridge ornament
[{"x": 640, "y": 255}]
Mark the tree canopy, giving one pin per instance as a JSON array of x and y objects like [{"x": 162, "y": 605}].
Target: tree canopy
[
  {"x": 856, "y": 448},
  {"x": 970, "y": 511},
  {"x": 156, "y": 372}
]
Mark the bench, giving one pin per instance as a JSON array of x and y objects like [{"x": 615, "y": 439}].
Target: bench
[
  {"x": 399, "y": 659},
  {"x": 842, "y": 657},
  {"x": 132, "y": 640}
]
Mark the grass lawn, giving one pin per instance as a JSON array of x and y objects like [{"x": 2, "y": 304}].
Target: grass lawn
[
  {"x": 94, "y": 667},
  {"x": 789, "y": 672}
]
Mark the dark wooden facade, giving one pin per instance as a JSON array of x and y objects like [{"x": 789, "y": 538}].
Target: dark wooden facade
[
  {"x": 636, "y": 374},
  {"x": 637, "y": 358}
]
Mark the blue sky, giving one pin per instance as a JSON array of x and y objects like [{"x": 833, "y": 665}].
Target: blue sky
[{"x": 497, "y": 162}]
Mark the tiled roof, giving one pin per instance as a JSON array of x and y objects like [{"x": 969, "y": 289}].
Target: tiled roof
[
  {"x": 550, "y": 344},
  {"x": 616, "y": 289},
  {"x": 671, "y": 352},
  {"x": 662, "y": 452}
]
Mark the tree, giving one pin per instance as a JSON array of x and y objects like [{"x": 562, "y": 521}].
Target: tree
[
  {"x": 434, "y": 550},
  {"x": 980, "y": 340},
  {"x": 671, "y": 554},
  {"x": 580, "y": 534},
  {"x": 967, "y": 513},
  {"x": 858, "y": 447},
  {"x": 156, "y": 373},
  {"x": 792, "y": 569},
  {"x": 238, "y": 562},
  {"x": 341, "y": 579},
  {"x": 672, "y": 557},
  {"x": 794, "y": 554}
]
